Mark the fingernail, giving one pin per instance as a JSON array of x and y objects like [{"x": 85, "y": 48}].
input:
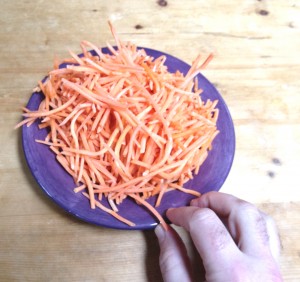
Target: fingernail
[
  {"x": 194, "y": 202},
  {"x": 160, "y": 232},
  {"x": 169, "y": 210}
]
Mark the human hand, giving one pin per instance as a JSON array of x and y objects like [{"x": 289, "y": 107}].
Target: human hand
[{"x": 236, "y": 241}]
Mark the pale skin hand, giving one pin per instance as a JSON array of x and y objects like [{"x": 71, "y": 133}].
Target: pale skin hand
[{"x": 236, "y": 241}]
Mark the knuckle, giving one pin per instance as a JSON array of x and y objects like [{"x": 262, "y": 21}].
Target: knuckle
[
  {"x": 248, "y": 211},
  {"x": 256, "y": 218},
  {"x": 201, "y": 215},
  {"x": 220, "y": 238},
  {"x": 168, "y": 261},
  {"x": 217, "y": 235},
  {"x": 269, "y": 220},
  {"x": 247, "y": 207}
]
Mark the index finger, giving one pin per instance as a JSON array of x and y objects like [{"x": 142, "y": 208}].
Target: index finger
[
  {"x": 209, "y": 235},
  {"x": 247, "y": 225}
]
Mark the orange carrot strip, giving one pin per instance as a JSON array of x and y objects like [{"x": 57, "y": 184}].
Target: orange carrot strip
[
  {"x": 189, "y": 191},
  {"x": 114, "y": 214},
  {"x": 160, "y": 195},
  {"x": 89, "y": 185},
  {"x": 151, "y": 209},
  {"x": 91, "y": 96}
]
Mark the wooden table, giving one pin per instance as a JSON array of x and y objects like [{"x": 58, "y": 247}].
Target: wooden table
[{"x": 256, "y": 68}]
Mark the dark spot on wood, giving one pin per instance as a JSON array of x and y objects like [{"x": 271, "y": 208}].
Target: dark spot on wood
[
  {"x": 162, "y": 3},
  {"x": 271, "y": 174},
  {"x": 138, "y": 26},
  {"x": 94, "y": 10},
  {"x": 276, "y": 161},
  {"x": 263, "y": 12},
  {"x": 291, "y": 25}
]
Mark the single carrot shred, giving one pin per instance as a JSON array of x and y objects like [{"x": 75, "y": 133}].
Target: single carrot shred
[{"x": 124, "y": 126}]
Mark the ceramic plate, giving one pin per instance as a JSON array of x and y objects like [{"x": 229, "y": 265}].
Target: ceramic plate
[{"x": 58, "y": 184}]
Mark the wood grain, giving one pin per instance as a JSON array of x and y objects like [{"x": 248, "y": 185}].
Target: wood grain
[{"x": 256, "y": 69}]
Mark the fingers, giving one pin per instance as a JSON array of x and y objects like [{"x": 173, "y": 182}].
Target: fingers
[
  {"x": 173, "y": 260},
  {"x": 221, "y": 203},
  {"x": 250, "y": 228},
  {"x": 234, "y": 239},
  {"x": 209, "y": 235}
]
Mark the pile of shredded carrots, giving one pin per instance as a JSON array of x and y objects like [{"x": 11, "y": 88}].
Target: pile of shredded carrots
[{"x": 124, "y": 126}]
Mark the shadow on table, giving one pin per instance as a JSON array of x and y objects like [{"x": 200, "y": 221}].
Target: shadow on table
[{"x": 152, "y": 257}]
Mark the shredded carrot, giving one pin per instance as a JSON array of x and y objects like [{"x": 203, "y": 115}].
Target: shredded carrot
[{"x": 123, "y": 126}]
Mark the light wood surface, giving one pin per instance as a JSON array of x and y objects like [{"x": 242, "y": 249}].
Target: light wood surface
[{"x": 256, "y": 69}]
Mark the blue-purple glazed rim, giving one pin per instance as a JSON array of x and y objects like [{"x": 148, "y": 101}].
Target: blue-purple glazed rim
[{"x": 58, "y": 184}]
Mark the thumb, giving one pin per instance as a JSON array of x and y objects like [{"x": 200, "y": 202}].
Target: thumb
[{"x": 174, "y": 262}]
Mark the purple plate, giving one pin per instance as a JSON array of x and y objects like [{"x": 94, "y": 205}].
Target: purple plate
[{"x": 58, "y": 184}]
